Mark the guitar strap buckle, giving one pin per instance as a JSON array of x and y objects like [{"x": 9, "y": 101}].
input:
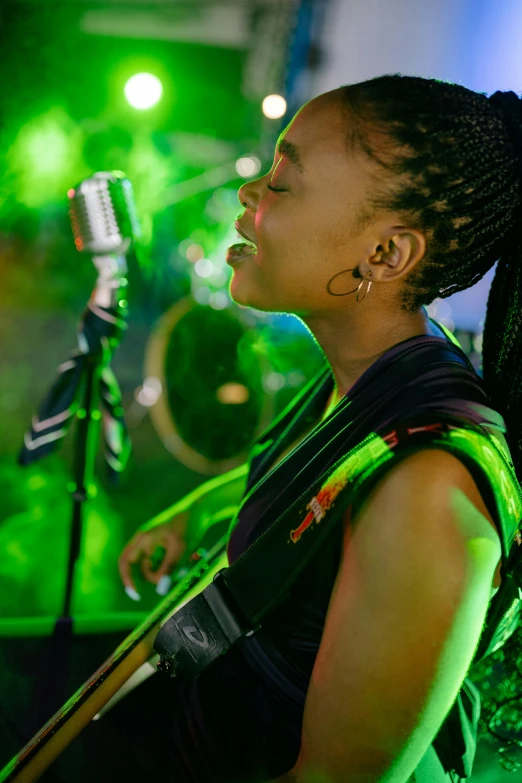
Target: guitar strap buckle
[{"x": 200, "y": 631}]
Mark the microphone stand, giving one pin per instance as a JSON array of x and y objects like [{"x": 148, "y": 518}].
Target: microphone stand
[
  {"x": 87, "y": 431},
  {"x": 111, "y": 279}
]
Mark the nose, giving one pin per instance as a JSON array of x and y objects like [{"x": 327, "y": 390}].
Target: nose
[{"x": 249, "y": 193}]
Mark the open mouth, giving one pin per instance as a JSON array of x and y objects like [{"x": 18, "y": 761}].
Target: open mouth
[{"x": 240, "y": 251}]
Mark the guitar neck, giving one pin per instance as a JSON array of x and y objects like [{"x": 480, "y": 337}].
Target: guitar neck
[{"x": 132, "y": 653}]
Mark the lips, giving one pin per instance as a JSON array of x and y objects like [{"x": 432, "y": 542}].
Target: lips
[{"x": 240, "y": 230}]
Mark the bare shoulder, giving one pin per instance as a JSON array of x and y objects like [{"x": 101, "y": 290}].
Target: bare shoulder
[
  {"x": 427, "y": 502},
  {"x": 434, "y": 479}
]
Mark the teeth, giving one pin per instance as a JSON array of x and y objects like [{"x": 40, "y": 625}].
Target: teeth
[{"x": 246, "y": 241}]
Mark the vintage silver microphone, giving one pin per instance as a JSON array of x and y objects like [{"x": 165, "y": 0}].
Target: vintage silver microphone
[{"x": 104, "y": 223}]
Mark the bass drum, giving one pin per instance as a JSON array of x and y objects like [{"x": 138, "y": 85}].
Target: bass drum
[{"x": 212, "y": 405}]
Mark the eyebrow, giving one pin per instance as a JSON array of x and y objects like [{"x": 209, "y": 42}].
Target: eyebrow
[{"x": 288, "y": 149}]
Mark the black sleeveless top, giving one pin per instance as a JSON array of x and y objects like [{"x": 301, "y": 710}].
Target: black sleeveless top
[{"x": 283, "y": 652}]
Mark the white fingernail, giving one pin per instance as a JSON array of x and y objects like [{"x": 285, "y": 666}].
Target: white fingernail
[
  {"x": 163, "y": 585},
  {"x": 131, "y": 592}
]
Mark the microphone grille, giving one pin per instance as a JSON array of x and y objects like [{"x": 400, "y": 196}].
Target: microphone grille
[{"x": 103, "y": 214}]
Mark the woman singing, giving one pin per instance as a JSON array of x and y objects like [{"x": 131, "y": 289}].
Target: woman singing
[{"x": 382, "y": 196}]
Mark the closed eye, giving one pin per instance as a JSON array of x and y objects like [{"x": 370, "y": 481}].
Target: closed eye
[{"x": 275, "y": 190}]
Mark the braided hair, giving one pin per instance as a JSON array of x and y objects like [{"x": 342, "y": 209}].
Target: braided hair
[
  {"x": 455, "y": 173},
  {"x": 452, "y": 160}
]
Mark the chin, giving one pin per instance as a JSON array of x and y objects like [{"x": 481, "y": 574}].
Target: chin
[
  {"x": 248, "y": 292},
  {"x": 250, "y": 301},
  {"x": 244, "y": 294}
]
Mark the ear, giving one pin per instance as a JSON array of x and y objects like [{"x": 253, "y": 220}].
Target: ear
[{"x": 397, "y": 255}]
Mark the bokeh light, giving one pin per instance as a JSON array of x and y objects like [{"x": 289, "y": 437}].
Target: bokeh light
[
  {"x": 248, "y": 166},
  {"x": 204, "y": 267},
  {"x": 274, "y": 106},
  {"x": 143, "y": 90},
  {"x": 218, "y": 300},
  {"x": 233, "y": 394},
  {"x": 147, "y": 395},
  {"x": 194, "y": 252},
  {"x": 273, "y": 381},
  {"x": 45, "y": 157}
]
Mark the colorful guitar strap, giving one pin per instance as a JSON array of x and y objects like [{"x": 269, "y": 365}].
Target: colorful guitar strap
[{"x": 240, "y": 596}]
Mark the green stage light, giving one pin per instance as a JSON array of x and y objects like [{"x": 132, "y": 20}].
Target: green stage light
[
  {"x": 45, "y": 157},
  {"x": 143, "y": 90}
]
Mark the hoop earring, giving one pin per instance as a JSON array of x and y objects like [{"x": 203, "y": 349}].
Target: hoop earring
[
  {"x": 332, "y": 293},
  {"x": 359, "y": 287}
]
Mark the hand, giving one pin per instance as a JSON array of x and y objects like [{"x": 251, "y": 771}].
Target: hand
[{"x": 168, "y": 536}]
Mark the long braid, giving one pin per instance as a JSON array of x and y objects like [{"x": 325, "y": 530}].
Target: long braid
[
  {"x": 502, "y": 346},
  {"x": 454, "y": 173}
]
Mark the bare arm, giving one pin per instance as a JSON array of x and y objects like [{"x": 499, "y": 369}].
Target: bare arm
[
  {"x": 209, "y": 497},
  {"x": 404, "y": 620},
  {"x": 180, "y": 525}
]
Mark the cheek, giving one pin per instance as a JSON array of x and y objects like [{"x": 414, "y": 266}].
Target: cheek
[
  {"x": 290, "y": 245},
  {"x": 302, "y": 245},
  {"x": 273, "y": 224},
  {"x": 286, "y": 231},
  {"x": 296, "y": 270}
]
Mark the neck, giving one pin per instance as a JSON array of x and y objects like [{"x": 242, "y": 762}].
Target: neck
[{"x": 352, "y": 344}]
